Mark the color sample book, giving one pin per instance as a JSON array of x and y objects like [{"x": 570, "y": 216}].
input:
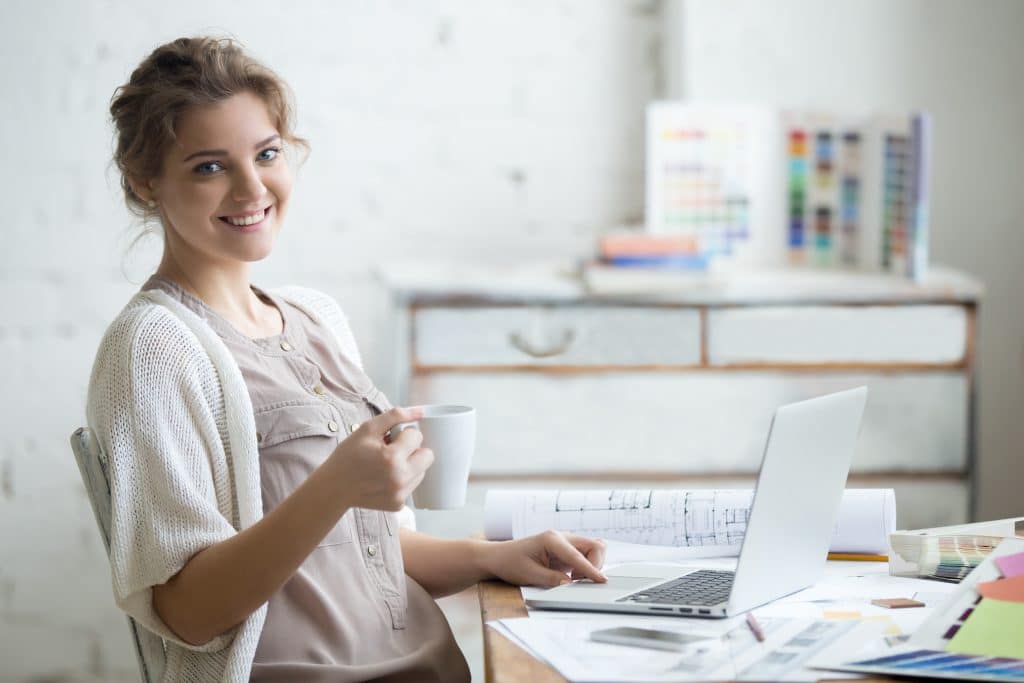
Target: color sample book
[
  {"x": 947, "y": 553},
  {"x": 700, "y": 175}
]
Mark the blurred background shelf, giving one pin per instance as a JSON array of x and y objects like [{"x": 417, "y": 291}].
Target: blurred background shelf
[{"x": 677, "y": 388}]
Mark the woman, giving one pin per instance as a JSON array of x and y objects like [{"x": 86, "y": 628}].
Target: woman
[{"x": 253, "y": 493}]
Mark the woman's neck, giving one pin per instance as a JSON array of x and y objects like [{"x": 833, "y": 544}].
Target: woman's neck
[{"x": 228, "y": 291}]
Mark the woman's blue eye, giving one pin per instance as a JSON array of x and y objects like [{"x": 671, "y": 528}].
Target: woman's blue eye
[
  {"x": 208, "y": 168},
  {"x": 269, "y": 154}
]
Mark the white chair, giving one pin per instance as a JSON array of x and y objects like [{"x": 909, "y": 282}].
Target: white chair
[{"x": 149, "y": 648}]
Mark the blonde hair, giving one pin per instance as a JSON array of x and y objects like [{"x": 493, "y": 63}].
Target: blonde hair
[{"x": 180, "y": 74}]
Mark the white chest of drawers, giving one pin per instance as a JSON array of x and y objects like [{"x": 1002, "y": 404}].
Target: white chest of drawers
[{"x": 679, "y": 389}]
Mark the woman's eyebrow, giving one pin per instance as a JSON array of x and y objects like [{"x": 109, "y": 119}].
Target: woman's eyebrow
[{"x": 224, "y": 152}]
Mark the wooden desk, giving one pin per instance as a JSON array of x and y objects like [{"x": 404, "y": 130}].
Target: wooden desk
[{"x": 506, "y": 662}]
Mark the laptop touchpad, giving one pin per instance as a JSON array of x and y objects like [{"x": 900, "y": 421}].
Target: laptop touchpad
[{"x": 585, "y": 590}]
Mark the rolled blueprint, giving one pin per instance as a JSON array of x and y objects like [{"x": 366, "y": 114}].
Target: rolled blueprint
[{"x": 708, "y": 522}]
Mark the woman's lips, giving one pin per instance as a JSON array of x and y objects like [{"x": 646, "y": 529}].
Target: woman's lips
[{"x": 250, "y": 223}]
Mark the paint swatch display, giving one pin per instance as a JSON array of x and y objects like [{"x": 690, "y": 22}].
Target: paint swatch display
[
  {"x": 857, "y": 191},
  {"x": 974, "y": 634},
  {"x": 830, "y": 200},
  {"x": 759, "y": 186}
]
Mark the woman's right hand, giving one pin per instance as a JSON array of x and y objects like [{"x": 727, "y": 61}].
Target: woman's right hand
[
  {"x": 377, "y": 475},
  {"x": 218, "y": 588}
]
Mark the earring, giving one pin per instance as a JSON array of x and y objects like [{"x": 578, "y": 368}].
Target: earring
[{"x": 151, "y": 203}]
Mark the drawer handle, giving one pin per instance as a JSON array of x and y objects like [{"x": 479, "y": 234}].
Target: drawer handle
[{"x": 530, "y": 350}]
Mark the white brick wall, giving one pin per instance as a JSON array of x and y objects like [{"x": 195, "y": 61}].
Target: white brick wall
[{"x": 457, "y": 129}]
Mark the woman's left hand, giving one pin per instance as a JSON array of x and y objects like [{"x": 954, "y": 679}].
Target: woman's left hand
[{"x": 546, "y": 559}]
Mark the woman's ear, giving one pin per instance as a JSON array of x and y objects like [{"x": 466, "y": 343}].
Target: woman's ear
[{"x": 142, "y": 189}]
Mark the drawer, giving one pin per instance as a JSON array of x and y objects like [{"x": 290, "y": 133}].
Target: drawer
[
  {"x": 802, "y": 335},
  {"x": 693, "y": 423},
  {"x": 544, "y": 336}
]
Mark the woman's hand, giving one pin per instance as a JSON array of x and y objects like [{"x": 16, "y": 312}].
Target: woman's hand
[
  {"x": 546, "y": 559},
  {"x": 376, "y": 475},
  {"x": 223, "y": 584}
]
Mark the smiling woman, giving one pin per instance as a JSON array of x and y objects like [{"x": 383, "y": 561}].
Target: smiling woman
[
  {"x": 253, "y": 493},
  {"x": 225, "y": 204}
]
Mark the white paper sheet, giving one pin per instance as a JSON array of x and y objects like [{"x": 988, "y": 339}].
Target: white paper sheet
[
  {"x": 866, "y": 586},
  {"x": 708, "y": 522},
  {"x": 842, "y": 597},
  {"x": 733, "y": 655}
]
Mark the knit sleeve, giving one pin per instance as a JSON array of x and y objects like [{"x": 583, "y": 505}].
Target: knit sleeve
[{"x": 157, "y": 411}]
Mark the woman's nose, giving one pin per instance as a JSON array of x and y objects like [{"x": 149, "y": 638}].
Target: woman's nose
[{"x": 248, "y": 184}]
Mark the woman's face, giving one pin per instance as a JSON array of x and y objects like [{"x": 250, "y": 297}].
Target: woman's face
[{"x": 225, "y": 183}]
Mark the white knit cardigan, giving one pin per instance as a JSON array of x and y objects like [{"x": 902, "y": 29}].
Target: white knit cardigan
[{"x": 169, "y": 407}]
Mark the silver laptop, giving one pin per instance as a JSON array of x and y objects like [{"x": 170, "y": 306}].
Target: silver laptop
[{"x": 791, "y": 521}]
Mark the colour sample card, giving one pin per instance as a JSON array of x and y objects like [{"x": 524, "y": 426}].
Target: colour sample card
[
  {"x": 850, "y": 182},
  {"x": 994, "y": 629},
  {"x": 700, "y": 174},
  {"x": 942, "y": 664},
  {"x": 897, "y": 603},
  {"x": 825, "y": 169},
  {"x": 1011, "y": 589},
  {"x": 797, "y": 153},
  {"x": 1011, "y": 565},
  {"x": 896, "y": 201}
]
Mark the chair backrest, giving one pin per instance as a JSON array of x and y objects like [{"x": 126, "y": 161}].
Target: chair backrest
[{"x": 92, "y": 462}]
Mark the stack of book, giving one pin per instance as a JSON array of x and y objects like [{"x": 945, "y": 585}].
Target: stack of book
[
  {"x": 634, "y": 262},
  {"x": 948, "y": 553},
  {"x": 643, "y": 250}
]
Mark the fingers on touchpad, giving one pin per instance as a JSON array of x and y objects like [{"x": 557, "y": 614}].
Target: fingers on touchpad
[{"x": 615, "y": 585}]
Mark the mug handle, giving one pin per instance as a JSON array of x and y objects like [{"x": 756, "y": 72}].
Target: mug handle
[{"x": 393, "y": 433}]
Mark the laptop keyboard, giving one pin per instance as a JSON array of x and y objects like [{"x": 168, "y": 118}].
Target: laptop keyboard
[{"x": 703, "y": 587}]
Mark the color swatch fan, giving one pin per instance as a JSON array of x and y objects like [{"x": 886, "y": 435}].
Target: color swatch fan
[
  {"x": 975, "y": 634},
  {"x": 948, "y": 553}
]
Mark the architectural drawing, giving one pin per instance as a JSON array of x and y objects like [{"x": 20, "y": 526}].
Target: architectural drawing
[
  {"x": 712, "y": 519},
  {"x": 653, "y": 517}
]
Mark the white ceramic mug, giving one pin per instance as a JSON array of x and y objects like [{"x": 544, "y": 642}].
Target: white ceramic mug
[{"x": 450, "y": 432}]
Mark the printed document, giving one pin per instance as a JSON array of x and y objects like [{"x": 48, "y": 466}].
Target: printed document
[{"x": 709, "y": 522}]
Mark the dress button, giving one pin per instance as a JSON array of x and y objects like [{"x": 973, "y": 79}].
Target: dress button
[
  {"x": 285, "y": 346},
  {"x": 259, "y": 436},
  {"x": 371, "y": 550},
  {"x": 332, "y": 425},
  {"x": 318, "y": 390},
  {"x": 355, "y": 426}
]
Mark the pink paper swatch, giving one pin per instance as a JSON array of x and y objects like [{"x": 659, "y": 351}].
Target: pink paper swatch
[
  {"x": 1009, "y": 590},
  {"x": 1011, "y": 565}
]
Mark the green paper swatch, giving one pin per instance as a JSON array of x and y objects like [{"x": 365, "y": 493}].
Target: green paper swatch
[{"x": 994, "y": 629}]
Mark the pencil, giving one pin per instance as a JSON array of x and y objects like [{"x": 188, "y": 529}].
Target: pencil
[
  {"x": 858, "y": 557},
  {"x": 755, "y": 627}
]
